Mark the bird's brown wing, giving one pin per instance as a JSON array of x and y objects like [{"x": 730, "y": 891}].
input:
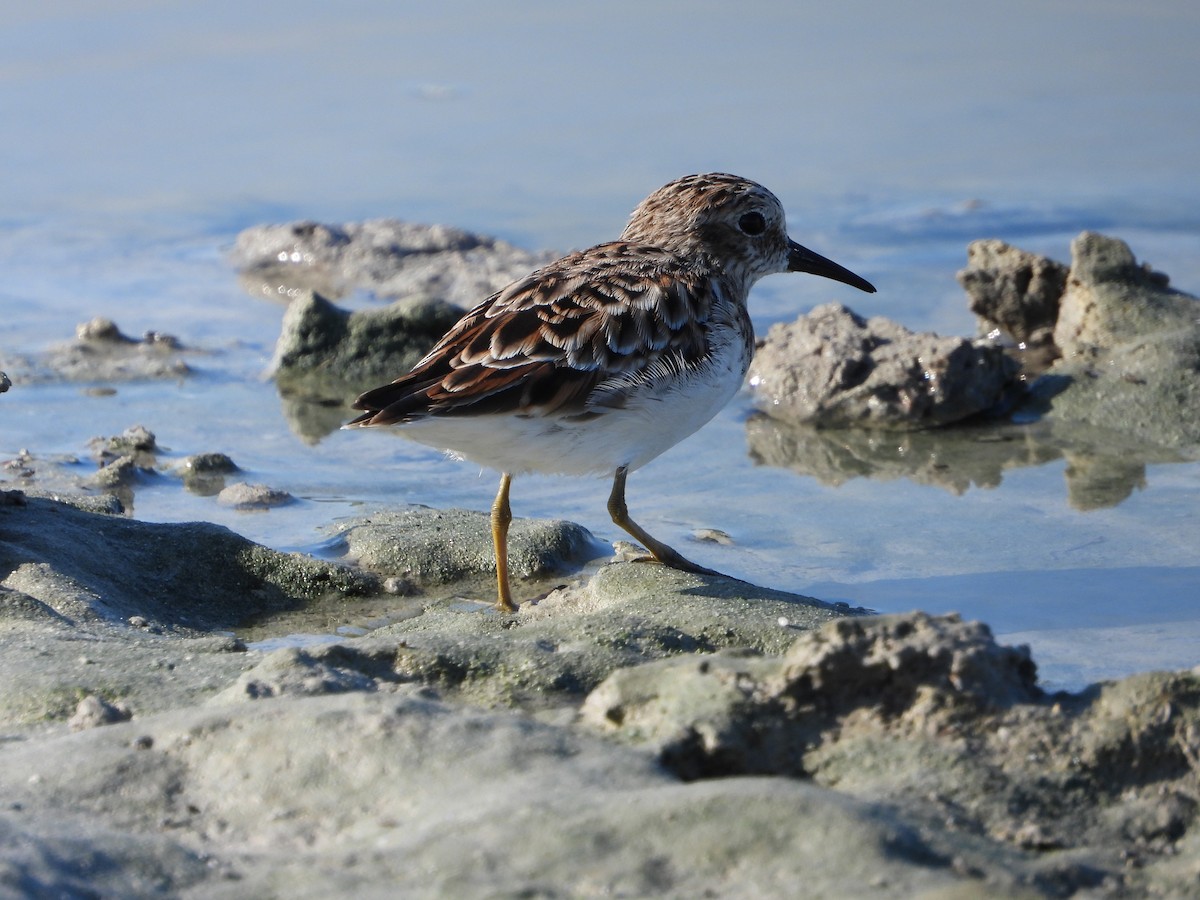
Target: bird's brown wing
[{"x": 544, "y": 344}]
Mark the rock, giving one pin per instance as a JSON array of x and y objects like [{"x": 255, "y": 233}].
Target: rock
[
  {"x": 908, "y": 753},
  {"x": 879, "y": 661},
  {"x": 1131, "y": 351},
  {"x": 352, "y": 793},
  {"x": 102, "y": 330},
  {"x": 124, "y": 460},
  {"x": 101, "y": 352},
  {"x": 1111, "y": 300},
  {"x": 121, "y": 472},
  {"x": 557, "y": 648},
  {"x": 930, "y": 715},
  {"x": 1129, "y": 344},
  {"x": 568, "y": 637},
  {"x": 146, "y": 668},
  {"x": 832, "y": 368},
  {"x": 1015, "y": 291},
  {"x": 204, "y": 473},
  {"x": 253, "y": 496},
  {"x": 5, "y": 382},
  {"x": 712, "y": 536},
  {"x": 730, "y": 715},
  {"x": 326, "y": 356},
  {"x": 385, "y": 257},
  {"x": 320, "y": 339},
  {"x": 135, "y": 441},
  {"x": 323, "y": 669},
  {"x": 550, "y": 653},
  {"x": 20, "y": 466},
  {"x": 188, "y": 575},
  {"x": 94, "y": 711},
  {"x": 99, "y": 504},
  {"x": 1129, "y": 347},
  {"x": 433, "y": 546},
  {"x": 208, "y": 464}
]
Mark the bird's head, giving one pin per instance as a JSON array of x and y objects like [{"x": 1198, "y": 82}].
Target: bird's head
[{"x": 737, "y": 225}]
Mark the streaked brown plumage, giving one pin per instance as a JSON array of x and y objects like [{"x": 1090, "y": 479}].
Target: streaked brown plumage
[{"x": 605, "y": 358}]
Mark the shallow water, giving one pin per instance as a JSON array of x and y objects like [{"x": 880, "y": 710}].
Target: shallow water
[{"x": 146, "y": 137}]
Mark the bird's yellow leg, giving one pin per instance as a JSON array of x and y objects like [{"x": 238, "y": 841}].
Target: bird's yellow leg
[
  {"x": 501, "y": 517},
  {"x": 660, "y": 551}
]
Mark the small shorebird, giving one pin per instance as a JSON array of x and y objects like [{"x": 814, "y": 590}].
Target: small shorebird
[{"x": 600, "y": 361}]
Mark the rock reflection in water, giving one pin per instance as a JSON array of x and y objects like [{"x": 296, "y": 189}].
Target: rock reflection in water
[{"x": 1100, "y": 472}]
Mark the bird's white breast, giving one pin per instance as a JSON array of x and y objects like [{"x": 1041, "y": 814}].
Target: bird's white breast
[{"x": 655, "y": 415}]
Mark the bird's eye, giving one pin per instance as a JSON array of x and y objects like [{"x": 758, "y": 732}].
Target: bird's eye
[{"x": 753, "y": 224}]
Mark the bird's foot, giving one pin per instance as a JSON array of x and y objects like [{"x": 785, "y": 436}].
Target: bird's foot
[{"x": 662, "y": 555}]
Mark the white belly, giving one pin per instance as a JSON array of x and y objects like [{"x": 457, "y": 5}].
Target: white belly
[{"x": 654, "y": 418}]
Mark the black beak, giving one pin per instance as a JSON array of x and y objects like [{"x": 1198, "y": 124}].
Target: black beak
[{"x": 801, "y": 259}]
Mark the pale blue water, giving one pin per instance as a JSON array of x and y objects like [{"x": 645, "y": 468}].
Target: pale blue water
[{"x": 140, "y": 138}]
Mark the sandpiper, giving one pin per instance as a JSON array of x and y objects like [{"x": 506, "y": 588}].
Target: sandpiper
[{"x": 600, "y": 361}]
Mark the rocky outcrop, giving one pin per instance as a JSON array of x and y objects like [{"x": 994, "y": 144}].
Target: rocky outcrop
[
  {"x": 1112, "y": 348},
  {"x": 101, "y": 352},
  {"x": 386, "y": 258},
  {"x": 1013, "y": 290},
  {"x": 1129, "y": 344},
  {"x": 929, "y": 715},
  {"x": 835, "y": 369},
  {"x": 320, "y": 342}
]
